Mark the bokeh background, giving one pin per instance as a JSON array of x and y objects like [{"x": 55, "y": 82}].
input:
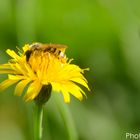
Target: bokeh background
[{"x": 103, "y": 35}]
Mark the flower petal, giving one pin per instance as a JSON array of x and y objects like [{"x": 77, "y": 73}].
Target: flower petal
[
  {"x": 33, "y": 90},
  {"x": 80, "y": 81},
  {"x": 13, "y": 54},
  {"x": 5, "y": 84},
  {"x": 7, "y": 72},
  {"x": 26, "y": 47},
  {"x": 68, "y": 87},
  {"x": 20, "y": 86},
  {"x": 74, "y": 90},
  {"x": 66, "y": 96},
  {"x": 4, "y": 66},
  {"x": 15, "y": 77}
]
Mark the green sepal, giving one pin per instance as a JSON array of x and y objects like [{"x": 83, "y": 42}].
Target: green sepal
[{"x": 44, "y": 94}]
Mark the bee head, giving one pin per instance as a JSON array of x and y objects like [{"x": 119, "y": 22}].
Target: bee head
[{"x": 35, "y": 45}]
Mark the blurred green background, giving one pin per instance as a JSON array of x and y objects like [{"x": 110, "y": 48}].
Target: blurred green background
[{"x": 103, "y": 35}]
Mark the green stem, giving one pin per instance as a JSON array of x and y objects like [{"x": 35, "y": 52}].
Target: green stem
[
  {"x": 38, "y": 116},
  {"x": 67, "y": 118},
  {"x": 40, "y": 100}
]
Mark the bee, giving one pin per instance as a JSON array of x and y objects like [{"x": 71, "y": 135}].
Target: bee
[{"x": 56, "y": 49}]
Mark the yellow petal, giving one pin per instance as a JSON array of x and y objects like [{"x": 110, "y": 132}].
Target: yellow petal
[
  {"x": 5, "y": 66},
  {"x": 7, "y": 72},
  {"x": 80, "y": 81},
  {"x": 57, "y": 87},
  {"x": 15, "y": 77},
  {"x": 74, "y": 90},
  {"x": 13, "y": 54},
  {"x": 5, "y": 84},
  {"x": 20, "y": 87},
  {"x": 26, "y": 47},
  {"x": 66, "y": 96},
  {"x": 68, "y": 87},
  {"x": 30, "y": 72},
  {"x": 32, "y": 91}
]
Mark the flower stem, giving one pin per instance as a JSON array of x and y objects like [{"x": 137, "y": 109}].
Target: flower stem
[
  {"x": 67, "y": 118},
  {"x": 38, "y": 116},
  {"x": 43, "y": 96}
]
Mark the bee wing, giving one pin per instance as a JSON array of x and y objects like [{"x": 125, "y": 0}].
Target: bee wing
[{"x": 57, "y": 46}]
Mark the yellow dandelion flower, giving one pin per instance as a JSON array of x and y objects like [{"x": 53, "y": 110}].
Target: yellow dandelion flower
[{"x": 37, "y": 65}]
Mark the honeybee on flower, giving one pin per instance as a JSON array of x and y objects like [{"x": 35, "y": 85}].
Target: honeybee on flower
[{"x": 39, "y": 65}]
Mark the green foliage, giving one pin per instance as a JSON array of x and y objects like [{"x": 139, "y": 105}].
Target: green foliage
[{"x": 102, "y": 35}]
